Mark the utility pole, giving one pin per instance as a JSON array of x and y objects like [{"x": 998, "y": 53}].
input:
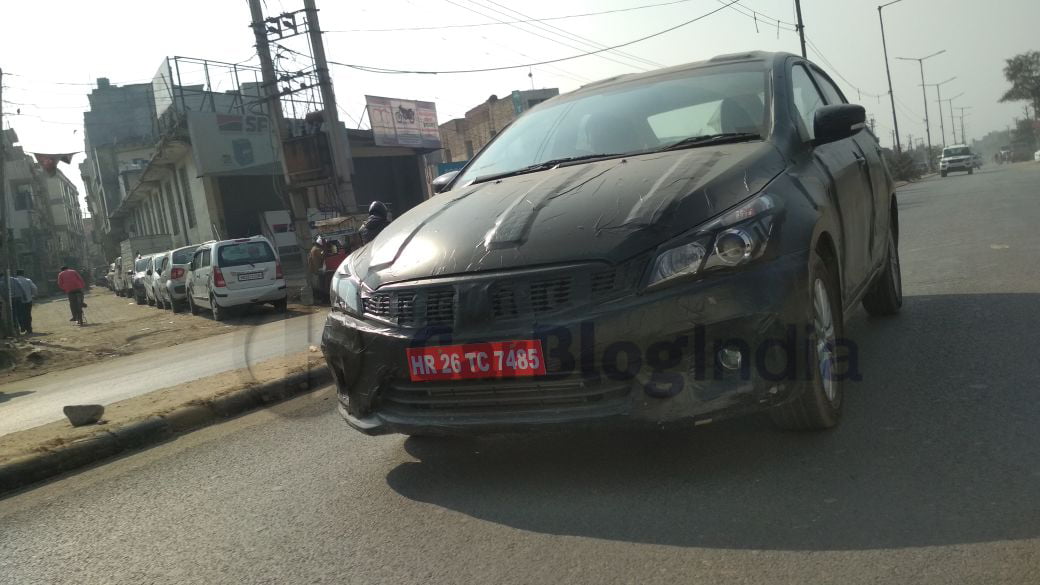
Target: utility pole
[
  {"x": 964, "y": 137},
  {"x": 295, "y": 199},
  {"x": 938, "y": 93},
  {"x": 953, "y": 122},
  {"x": 800, "y": 26},
  {"x": 342, "y": 168},
  {"x": 891, "y": 96},
  {"x": 924, "y": 95}
]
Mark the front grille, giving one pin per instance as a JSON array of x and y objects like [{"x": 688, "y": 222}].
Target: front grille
[
  {"x": 440, "y": 307},
  {"x": 550, "y": 295},
  {"x": 508, "y": 298},
  {"x": 378, "y": 305},
  {"x": 603, "y": 281},
  {"x": 403, "y": 307},
  {"x": 500, "y": 396}
]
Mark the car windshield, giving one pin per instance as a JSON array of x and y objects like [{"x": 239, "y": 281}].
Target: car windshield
[
  {"x": 183, "y": 256},
  {"x": 245, "y": 253},
  {"x": 631, "y": 117},
  {"x": 142, "y": 264},
  {"x": 960, "y": 151}
]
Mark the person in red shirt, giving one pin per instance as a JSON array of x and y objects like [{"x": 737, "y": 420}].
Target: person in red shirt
[{"x": 72, "y": 283}]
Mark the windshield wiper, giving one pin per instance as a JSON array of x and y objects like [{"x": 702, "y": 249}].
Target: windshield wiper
[
  {"x": 542, "y": 166},
  {"x": 706, "y": 139}
]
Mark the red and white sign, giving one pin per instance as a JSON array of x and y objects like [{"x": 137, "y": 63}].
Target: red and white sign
[{"x": 495, "y": 359}]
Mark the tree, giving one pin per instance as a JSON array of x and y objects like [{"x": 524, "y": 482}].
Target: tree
[{"x": 1023, "y": 72}]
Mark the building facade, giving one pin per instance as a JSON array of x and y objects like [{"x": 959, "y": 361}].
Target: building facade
[
  {"x": 43, "y": 217},
  {"x": 464, "y": 137},
  {"x": 197, "y": 164}
]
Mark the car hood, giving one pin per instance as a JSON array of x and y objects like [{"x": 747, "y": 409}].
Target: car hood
[{"x": 607, "y": 210}]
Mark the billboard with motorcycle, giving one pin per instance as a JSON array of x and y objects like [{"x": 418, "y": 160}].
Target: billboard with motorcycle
[{"x": 397, "y": 122}]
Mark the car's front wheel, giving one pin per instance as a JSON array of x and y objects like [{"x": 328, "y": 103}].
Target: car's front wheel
[
  {"x": 818, "y": 402},
  {"x": 191, "y": 304},
  {"x": 886, "y": 295}
]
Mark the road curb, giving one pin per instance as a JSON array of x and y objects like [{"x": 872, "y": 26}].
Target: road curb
[{"x": 30, "y": 469}]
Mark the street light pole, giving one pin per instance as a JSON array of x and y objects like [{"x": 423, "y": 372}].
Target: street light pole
[
  {"x": 953, "y": 123},
  {"x": 924, "y": 95},
  {"x": 891, "y": 96}
]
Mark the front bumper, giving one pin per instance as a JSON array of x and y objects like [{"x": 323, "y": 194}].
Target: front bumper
[
  {"x": 956, "y": 166},
  {"x": 649, "y": 358}
]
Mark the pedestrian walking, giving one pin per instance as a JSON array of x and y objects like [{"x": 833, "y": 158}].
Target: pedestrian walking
[
  {"x": 24, "y": 310},
  {"x": 72, "y": 283}
]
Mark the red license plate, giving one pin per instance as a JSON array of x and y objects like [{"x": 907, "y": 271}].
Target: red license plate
[{"x": 495, "y": 359}]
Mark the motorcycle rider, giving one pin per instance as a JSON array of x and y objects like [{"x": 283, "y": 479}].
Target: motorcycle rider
[{"x": 377, "y": 220}]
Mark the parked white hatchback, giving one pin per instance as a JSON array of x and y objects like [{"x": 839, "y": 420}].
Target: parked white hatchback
[
  {"x": 234, "y": 273},
  {"x": 173, "y": 276}
]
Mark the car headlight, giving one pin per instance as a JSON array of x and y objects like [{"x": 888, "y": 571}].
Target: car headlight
[
  {"x": 731, "y": 240},
  {"x": 345, "y": 292}
]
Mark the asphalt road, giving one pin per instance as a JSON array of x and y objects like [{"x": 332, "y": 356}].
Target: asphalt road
[
  {"x": 933, "y": 476},
  {"x": 39, "y": 400}
]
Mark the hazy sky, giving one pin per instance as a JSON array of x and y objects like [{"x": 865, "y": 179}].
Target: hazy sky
[{"x": 56, "y": 50}]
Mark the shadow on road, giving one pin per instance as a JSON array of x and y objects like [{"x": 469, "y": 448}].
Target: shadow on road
[
  {"x": 5, "y": 396},
  {"x": 938, "y": 446}
]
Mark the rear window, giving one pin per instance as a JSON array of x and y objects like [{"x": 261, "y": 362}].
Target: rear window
[
  {"x": 244, "y": 253},
  {"x": 142, "y": 264},
  {"x": 183, "y": 256}
]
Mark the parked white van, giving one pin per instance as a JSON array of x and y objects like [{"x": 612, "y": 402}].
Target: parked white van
[{"x": 233, "y": 273}]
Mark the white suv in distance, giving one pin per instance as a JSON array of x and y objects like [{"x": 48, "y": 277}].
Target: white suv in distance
[
  {"x": 171, "y": 284},
  {"x": 957, "y": 158},
  {"x": 234, "y": 273}
]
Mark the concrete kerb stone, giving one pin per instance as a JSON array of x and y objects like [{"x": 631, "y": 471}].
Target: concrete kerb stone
[{"x": 30, "y": 469}]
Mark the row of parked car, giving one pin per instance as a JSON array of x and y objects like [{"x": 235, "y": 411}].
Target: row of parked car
[{"x": 218, "y": 276}]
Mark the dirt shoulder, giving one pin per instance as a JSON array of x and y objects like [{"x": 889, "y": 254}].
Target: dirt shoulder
[
  {"x": 160, "y": 402},
  {"x": 115, "y": 327}
]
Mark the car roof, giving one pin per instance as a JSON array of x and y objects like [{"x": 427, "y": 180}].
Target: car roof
[{"x": 765, "y": 57}]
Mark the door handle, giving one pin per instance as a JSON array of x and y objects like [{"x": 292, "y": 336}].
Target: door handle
[{"x": 860, "y": 159}]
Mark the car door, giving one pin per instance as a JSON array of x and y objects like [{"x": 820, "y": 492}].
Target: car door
[
  {"x": 197, "y": 281},
  {"x": 844, "y": 164},
  {"x": 874, "y": 166}
]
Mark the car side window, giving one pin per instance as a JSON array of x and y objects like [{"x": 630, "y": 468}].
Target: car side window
[
  {"x": 205, "y": 257},
  {"x": 830, "y": 91},
  {"x": 807, "y": 98}
]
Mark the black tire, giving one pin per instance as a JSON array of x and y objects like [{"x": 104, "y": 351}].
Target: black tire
[
  {"x": 814, "y": 408},
  {"x": 140, "y": 300},
  {"x": 971, "y": 171},
  {"x": 886, "y": 295},
  {"x": 943, "y": 174},
  {"x": 281, "y": 306},
  {"x": 192, "y": 306},
  {"x": 219, "y": 314},
  {"x": 175, "y": 307}
]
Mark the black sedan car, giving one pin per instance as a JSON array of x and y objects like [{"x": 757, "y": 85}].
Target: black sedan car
[{"x": 668, "y": 247}]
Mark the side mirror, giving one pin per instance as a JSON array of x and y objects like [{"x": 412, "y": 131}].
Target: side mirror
[
  {"x": 148, "y": 272},
  {"x": 440, "y": 184},
  {"x": 833, "y": 123}
]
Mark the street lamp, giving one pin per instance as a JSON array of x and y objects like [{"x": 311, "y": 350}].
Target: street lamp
[
  {"x": 938, "y": 92},
  {"x": 891, "y": 96},
  {"x": 924, "y": 94}
]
